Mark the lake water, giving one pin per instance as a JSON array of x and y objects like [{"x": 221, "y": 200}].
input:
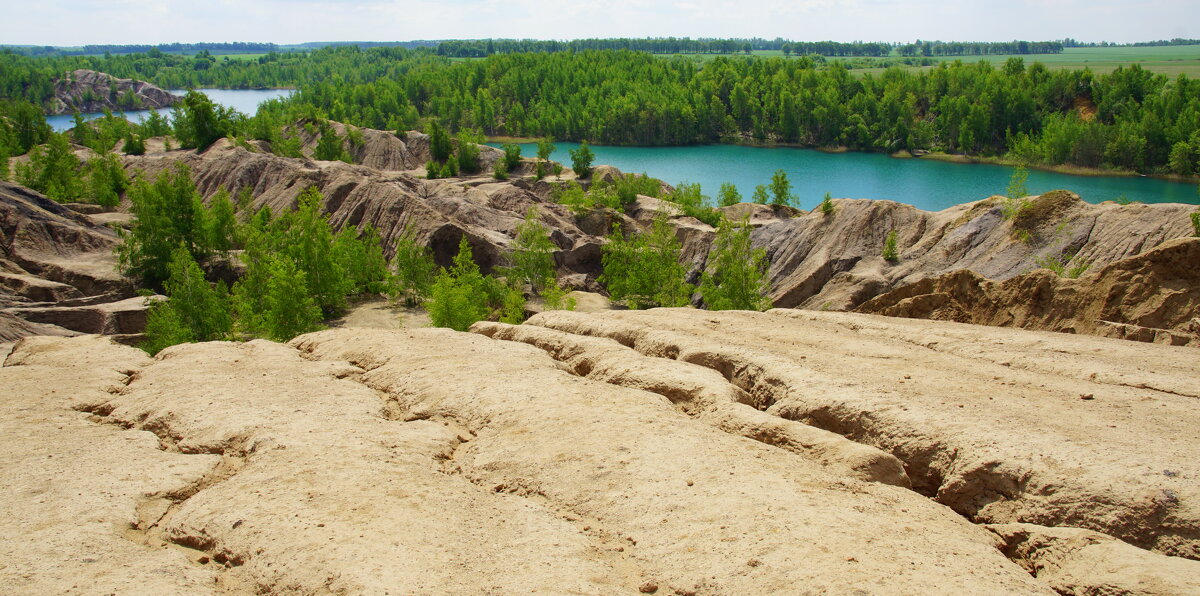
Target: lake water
[
  {"x": 926, "y": 184},
  {"x": 243, "y": 100}
]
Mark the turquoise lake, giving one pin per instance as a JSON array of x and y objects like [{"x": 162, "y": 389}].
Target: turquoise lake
[
  {"x": 243, "y": 100},
  {"x": 926, "y": 184}
]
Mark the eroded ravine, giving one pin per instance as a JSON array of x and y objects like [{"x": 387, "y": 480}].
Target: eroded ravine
[
  {"x": 430, "y": 461},
  {"x": 997, "y": 441}
]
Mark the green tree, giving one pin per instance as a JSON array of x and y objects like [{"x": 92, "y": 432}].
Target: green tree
[
  {"x": 512, "y": 156},
  {"x": 304, "y": 235},
  {"x": 736, "y": 276},
  {"x": 361, "y": 257},
  {"x": 1016, "y": 183},
  {"x": 53, "y": 170},
  {"x": 105, "y": 180},
  {"x": 458, "y": 298},
  {"x": 532, "y": 255},
  {"x": 414, "y": 269},
  {"x": 781, "y": 189},
  {"x": 468, "y": 151},
  {"x": 500, "y": 170},
  {"x": 273, "y": 299},
  {"x": 760, "y": 195},
  {"x": 330, "y": 145},
  {"x": 220, "y": 223},
  {"x": 199, "y": 122},
  {"x": 194, "y": 310},
  {"x": 729, "y": 195},
  {"x": 440, "y": 146},
  {"x": 644, "y": 270},
  {"x": 581, "y": 160},
  {"x": 827, "y": 204},
  {"x": 545, "y": 148},
  {"x": 134, "y": 145},
  {"x": 168, "y": 213}
]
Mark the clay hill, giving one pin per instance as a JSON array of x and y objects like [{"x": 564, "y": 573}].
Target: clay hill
[
  {"x": 58, "y": 273},
  {"x": 672, "y": 451},
  {"x": 968, "y": 263},
  {"x": 84, "y": 91}
]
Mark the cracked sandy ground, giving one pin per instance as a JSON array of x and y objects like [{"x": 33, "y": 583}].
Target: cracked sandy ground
[{"x": 434, "y": 462}]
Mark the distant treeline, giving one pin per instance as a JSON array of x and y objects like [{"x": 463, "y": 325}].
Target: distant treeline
[
  {"x": 245, "y": 47},
  {"x": 479, "y": 48},
  {"x": 1178, "y": 41},
  {"x": 971, "y": 48}
]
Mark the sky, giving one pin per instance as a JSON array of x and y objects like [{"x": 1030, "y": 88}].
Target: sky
[{"x": 80, "y": 22}]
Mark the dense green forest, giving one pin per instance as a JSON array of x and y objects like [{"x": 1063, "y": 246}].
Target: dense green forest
[{"x": 1130, "y": 119}]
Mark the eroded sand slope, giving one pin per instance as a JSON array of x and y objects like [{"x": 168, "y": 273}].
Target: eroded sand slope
[{"x": 670, "y": 451}]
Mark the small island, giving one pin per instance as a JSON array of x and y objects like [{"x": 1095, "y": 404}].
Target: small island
[{"x": 85, "y": 90}]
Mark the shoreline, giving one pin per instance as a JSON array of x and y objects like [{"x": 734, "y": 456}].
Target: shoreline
[{"x": 1067, "y": 169}]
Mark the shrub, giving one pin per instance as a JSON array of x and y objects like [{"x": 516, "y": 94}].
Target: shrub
[
  {"x": 760, "y": 195},
  {"x": 781, "y": 189},
  {"x": 53, "y": 170},
  {"x": 414, "y": 270},
  {"x": 556, "y": 297},
  {"x": 532, "y": 253},
  {"x": 581, "y": 160},
  {"x": 694, "y": 203},
  {"x": 827, "y": 205},
  {"x": 458, "y": 298},
  {"x": 468, "y": 151},
  {"x": 432, "y": 170},
  {"x": 168, "y": 213},
  {"x": 1016, "y": 184},
  {"x": 360, "y": 254},
  {"x": 729, "y": 195},
  {"x": 644, "y": 270},
  {"x": 330, "y": 145},
  {"x": 1063, "y": 268},
  {"x": 736, "y": 276},
  {"x": 273, "y": 300},
  {"x": 194, "y": 311},
  {"x": 512, "y": 156},
  {"x": 500, "y": 170},
  {"x": 890, "y": 253},
  {"x": 105, "y": 180},
  {"x": 1196, "y": 222},
  {"x": 134, "y": 145}
]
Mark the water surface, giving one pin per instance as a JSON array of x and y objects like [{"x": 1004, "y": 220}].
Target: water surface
[
  {"x": 243, "y": 100},
  {"x": 927, "y": 184}
]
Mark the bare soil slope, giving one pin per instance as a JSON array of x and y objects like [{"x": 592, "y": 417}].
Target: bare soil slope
[
  {"x": 670, "y": 451},
  {"x": 58, "y": 273},
  {"x": 1153, "y": 296}
]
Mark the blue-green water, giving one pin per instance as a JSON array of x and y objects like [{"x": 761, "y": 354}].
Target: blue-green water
[
  {"x": 243, "y": 100},
  {"x": 926, "y": 184}
]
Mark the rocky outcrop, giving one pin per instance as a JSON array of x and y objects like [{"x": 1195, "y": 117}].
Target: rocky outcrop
[
  {"x": 1153, "y": 296},
  {"x": 90, "y": 91},
  {"x": 58, "y": 272},
  {"x": 672, "y": 451},
  {"x": 834, "y": 262}
]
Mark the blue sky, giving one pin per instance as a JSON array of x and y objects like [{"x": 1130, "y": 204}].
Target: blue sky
[{"x": 77, "y": 22}]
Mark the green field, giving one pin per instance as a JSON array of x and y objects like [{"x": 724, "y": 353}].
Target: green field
[
  {"x": 1168, "y": 60},
  {"x": 238, "y": 56}
]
